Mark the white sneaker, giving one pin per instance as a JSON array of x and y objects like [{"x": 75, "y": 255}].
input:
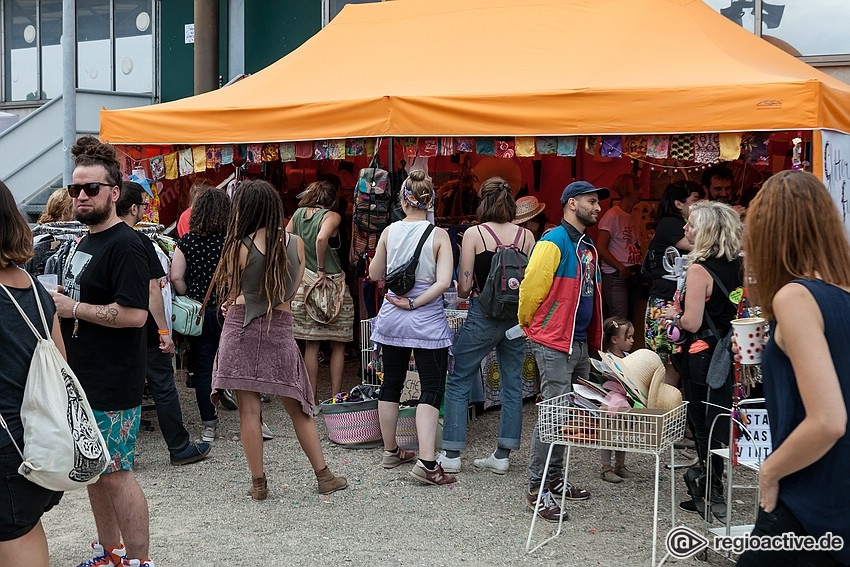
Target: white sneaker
[
  {"x": 103, "y": 557},
  {"x": 493, "y": 464},
  {"x": 267, "y": 433},
  {"x": 209, "y": 433},
  {"x": 450, "y": 465}
]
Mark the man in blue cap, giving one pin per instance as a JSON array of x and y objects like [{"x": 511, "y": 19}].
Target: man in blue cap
[{"x": 560, "y": 310}]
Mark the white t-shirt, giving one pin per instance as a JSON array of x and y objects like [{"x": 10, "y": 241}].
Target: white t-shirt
[{"x": 624, "y": 243}]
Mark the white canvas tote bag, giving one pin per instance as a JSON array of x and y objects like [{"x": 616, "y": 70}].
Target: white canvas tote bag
[{"x": 63, "y": 447}]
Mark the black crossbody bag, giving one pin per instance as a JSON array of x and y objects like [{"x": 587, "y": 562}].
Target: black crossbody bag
[{"x": 401, "y": 280}]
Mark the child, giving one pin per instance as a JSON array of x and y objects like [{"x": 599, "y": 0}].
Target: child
[{"x": 618, "y": 336}]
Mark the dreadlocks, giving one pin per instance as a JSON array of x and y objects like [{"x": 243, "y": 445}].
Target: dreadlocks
[{"x": 256, "y": 205}]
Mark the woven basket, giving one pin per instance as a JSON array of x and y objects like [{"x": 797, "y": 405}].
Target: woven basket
[{"x": 352, "y": 423}]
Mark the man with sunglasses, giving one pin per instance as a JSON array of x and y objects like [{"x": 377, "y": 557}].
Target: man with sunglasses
[
  {"x": 160, "y": 373},
  {"x": 103, "y": 306}
]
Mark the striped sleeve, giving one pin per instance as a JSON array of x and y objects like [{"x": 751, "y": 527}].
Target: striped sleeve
[{"x": 539, "y": 276}]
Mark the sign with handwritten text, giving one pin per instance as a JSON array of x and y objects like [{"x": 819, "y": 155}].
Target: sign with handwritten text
[
  {"x": 836, "y": 170},
  {"x": 757, "y": 448}
]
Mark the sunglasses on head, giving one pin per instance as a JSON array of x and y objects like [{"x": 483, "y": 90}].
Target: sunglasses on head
[{"x": 91, "y": 189}]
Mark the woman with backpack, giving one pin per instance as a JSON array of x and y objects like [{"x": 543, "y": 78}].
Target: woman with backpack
[
  {"x": 493, "y": 250},
  {"x": 22, "y": 503},
  {"x": 413, "y": 320},
  {"x": 709, "y": 305}
]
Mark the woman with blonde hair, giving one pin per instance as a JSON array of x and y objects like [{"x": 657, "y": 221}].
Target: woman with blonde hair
[
  {"x": 59, "y": 207},
  {"x": 715, "y": 271},
  {"x": 318, "y": 226},
  {"x": 260, "y": 270},
  {"x": 799, "y": 258},
  {"x": 480, "y": 334},
  {"x": 414, "y": 321}
]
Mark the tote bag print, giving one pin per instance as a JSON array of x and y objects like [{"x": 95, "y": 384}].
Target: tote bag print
[{"x": 63, "y": 447}]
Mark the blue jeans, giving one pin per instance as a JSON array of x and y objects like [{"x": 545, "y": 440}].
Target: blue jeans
[
  {"x": 478, "y": 336},
  {"x": 557, "y": 370}
]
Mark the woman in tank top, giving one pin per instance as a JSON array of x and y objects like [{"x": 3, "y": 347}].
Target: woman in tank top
[
  {"x": 797, "y": 253},
  {"x": 417, "y": 322},
  {"x": 318, "y": 227},
  {"x": 715, "y": 230},
  {"x": 480, "y": 334},
  {"x": 260, "y": 270}
]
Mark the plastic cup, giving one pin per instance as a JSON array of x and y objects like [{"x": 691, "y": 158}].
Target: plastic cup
[
  {"x": 49, "y": 281},
  {"x": 749, "y": 336}
]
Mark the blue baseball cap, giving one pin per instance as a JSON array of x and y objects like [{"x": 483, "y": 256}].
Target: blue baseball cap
[{"x": 577, "y": 188}]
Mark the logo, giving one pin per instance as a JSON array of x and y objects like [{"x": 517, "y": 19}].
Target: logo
[
  {"x": 513, "y": 283},
  {"x": 683, "y": 542},
  {"x": 769, "y": 104}
]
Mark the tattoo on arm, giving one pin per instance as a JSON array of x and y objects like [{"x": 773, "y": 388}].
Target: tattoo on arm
[
  {"x": 106, "y": 314},
  {"x": 467, "y": 275}
]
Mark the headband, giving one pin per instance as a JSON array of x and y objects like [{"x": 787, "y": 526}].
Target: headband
[{"x": 409, "y": 197}]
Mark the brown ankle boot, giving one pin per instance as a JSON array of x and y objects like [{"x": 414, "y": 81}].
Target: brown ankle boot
[
  {"x": 259, "y": 488},
  {"x": 328, "y": 482}
]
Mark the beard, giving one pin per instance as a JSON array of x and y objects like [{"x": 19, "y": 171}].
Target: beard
[
  {"x": 585, "y": 216},
  {"x": 94, "y": 216}
]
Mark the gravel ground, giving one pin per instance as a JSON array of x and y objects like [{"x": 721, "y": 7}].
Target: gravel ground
[{"x": 200, "y": 514}]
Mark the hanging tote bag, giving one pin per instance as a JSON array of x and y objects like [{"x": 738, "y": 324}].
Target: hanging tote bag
[
  {"x": 187, "y": 315},
  {"x": 63, "y": 447}
]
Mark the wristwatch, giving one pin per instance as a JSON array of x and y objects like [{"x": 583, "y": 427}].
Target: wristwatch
[
  {"x": 677, "y": 320},
  {"x": 410, "y": 304}
]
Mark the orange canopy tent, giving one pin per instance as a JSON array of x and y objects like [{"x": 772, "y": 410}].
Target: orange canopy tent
[{"x": 510, "y": 68}]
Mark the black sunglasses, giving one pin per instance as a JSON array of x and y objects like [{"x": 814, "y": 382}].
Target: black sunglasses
[{"x": 91, "y": 189}]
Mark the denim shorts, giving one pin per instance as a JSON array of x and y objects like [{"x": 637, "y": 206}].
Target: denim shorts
[
  {"x": 21, "y": 502},
  {"x": 120, "y": 429}
]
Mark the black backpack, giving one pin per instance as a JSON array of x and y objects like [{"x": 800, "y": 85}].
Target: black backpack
[{"x": 499, "y": 296}]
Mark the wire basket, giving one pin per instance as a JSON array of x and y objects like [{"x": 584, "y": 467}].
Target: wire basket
[{"x": 636, "y": 430}]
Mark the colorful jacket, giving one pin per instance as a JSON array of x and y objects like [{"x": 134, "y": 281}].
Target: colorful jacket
[{"x": 550, "y": 292}]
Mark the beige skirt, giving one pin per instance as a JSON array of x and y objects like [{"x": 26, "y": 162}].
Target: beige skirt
[{"x": 340, "y": 329}]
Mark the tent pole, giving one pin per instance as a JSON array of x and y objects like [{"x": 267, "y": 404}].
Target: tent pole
[{"x": 69, "y": 86}]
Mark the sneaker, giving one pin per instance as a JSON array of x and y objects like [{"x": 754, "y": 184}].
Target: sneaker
[
  {"x": 392, "y": 460},
  {"x": 449, "y": 464},
  {"x": 137, "y": 563},
  {"x": 436, "y": 477},
  {"x": 492, "y": 464},
  {"x": 193, "y": 453},
  {"x": 557, "y": 486},
  {"x": 103, "y": 557},
  {"x": 548, "y": 508},
  {"x": 209, "y": 433},
  {"x": 228, "y": 400},
  {"x": 267, "y": 433}
]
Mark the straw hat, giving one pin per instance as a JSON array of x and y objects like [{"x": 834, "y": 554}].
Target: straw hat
[
  {"x": 323, "y": 304},
  {"x": 527, "y": 208},
  {"x": 663, "y": 396},
  {"x": 635, "y": 372}
]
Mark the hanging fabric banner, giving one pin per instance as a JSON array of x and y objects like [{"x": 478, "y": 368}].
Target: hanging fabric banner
[
  {"x": 634, "y": 146},
  {"x": 706, "y": 148},
  {"x": 185, "y": 163},
  {"x": 271, "y": 152},
  {"x": 227, "y": 154},
  {"x": 505, "y": 148},
  {"x": 611, "y": 146},
  {"x": 157, "y": 167},
  {"x": 567, "y": 146},
  {"x": 199, "y": 159},
  {"x": 524, "y": 146},
  {"x": 254, "y": 153},
  {"x": 682, "y": 147},
  {"x": 758, "y": 149},
  {"x": 658, "y": 147},
  {"x": 485, "y": 146},
  {"x": 214, "y": 157},
  {"x": 447, "y": 146},
  {"x": 427, "y": 147},
  {"x": 547, "y": 145},
  {"x": 465, "y": 145},
  {"x": 730, "y": 146},
  {"x": 354, "y": 147},
  {"x": 287, "y": 151},
  {"x": 171, "y": 169}
]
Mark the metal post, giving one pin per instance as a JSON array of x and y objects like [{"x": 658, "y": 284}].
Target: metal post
[
  {"x": 236, "y": 39},
  {"x": 206, "y": 45},
  {"x": 69, "y": 84},
  {"x": 757, "y": 14}
]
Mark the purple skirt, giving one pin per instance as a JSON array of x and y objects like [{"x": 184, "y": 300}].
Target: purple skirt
[
  {"x": 424, "y": 327},
  {"x": 261, "y": 358}
]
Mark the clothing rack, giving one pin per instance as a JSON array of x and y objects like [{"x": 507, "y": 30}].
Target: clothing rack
[
  {"x": 149, "y": 228},
  {"x": 57, "y": 228}
]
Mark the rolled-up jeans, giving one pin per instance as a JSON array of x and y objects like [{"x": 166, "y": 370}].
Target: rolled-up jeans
[
  {"x": 477, "y": 337},
  {"x": 557, "y": 370}
]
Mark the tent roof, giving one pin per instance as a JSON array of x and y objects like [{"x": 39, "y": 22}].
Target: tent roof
[{"x": 506, "y": 67}]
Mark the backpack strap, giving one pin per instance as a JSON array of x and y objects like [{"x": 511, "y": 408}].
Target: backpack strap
[
  {"x": 24, "y": 315},
  {"x": 519, "y": 232},
  {"x": 725, "y": 293},
  {"x": 493, "y": 234}
]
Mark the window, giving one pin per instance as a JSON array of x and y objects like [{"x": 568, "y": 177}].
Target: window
[
  {"x": 20, "y": 52},
  {"x": 809, "y": 27}
]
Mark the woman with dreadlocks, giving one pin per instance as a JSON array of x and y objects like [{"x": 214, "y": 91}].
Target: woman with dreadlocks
[{"x": 260, "y": 270}]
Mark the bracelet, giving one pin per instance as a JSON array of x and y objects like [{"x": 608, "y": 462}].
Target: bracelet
[
  {"x": 410, "y": 304},
  {"x": 74, "y": 310},
  {"x": 320, "y": 269},
  {"x": 677, "y": 319},
  {"x": 76, "y": 328},
  {"x": 163, "y": 332}
]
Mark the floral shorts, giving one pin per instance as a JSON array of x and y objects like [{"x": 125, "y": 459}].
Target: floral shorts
[
  {"x": 120, "y": 429},
  {"x": 656, "y": 337}
]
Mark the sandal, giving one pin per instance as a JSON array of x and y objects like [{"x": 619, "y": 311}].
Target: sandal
[{"x": 608, "y": 475}]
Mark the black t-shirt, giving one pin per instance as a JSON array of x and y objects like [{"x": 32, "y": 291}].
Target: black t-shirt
[
  {"x": 156, "y": 272},
  {"x": 108, "y": 267},
  {"x": 202, "y": 255},
  {"x": 16, "y": 354},
  {"x": 668, "y": 232}
]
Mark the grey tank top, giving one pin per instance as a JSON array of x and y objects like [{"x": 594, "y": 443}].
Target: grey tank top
[{"x": 256, "y": 302}]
